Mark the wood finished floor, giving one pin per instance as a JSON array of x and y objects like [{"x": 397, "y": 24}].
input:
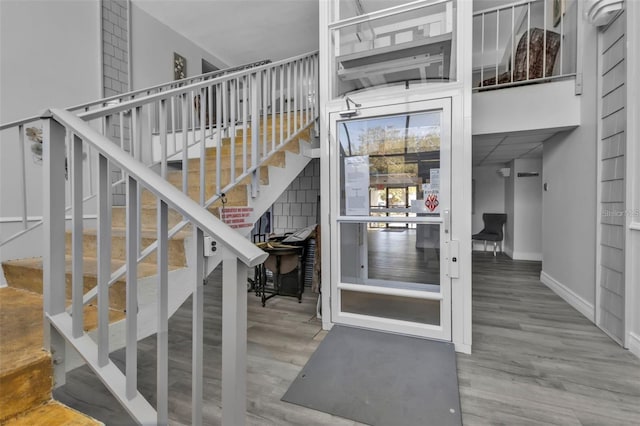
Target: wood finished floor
[{"x": 535, "y": 361}]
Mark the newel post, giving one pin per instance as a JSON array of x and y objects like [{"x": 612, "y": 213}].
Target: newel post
[
  {"x": 53, "y": 257},
  {"x": 234, "y": 340}
]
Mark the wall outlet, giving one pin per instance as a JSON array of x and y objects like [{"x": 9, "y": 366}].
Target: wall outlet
[{"x": 209, "y": 246}]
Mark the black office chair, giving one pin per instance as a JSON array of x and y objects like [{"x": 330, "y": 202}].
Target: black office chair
[{"x": 493, "y": 223}]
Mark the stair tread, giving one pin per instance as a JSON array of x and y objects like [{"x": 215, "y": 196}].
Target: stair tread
[
  {"x": 90, "y": 266},
  {"x": 52, "y": 413},
  {"x": 145, "y": 233},
  {"x": 20, "y": 329}
]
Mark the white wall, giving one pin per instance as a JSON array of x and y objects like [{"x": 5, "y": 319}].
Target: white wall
[
  {"x": 489, "y": 196},
  {"x": 509, "y": 209},
  {"x": 49, "y": 57},
  {"x": 153, "y": 45},
  {"x": 523, "y": 205},
  {"x": 569, "y": 205},
  {"x": 528, "y": 210}
]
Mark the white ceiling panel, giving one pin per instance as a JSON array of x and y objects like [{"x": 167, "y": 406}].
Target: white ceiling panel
[{"x": 504, "y": 147}]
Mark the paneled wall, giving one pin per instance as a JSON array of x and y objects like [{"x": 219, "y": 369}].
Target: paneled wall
[{"x": 612, "y": 48}]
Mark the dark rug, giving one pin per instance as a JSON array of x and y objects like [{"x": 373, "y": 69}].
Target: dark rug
[
  {"x": 393, "y": 230},
  {"x": 380, "y": 379}
]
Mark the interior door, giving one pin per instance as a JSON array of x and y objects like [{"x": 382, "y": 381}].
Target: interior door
[{"x": 391, "y": 276}]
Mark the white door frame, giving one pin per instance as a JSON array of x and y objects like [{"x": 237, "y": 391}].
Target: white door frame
[{"x": 443, "y": 330}]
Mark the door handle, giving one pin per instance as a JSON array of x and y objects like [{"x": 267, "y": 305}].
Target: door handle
[{"x": 447, "y": 220}]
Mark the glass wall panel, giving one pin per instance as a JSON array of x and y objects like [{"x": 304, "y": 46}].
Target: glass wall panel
[
  {"x": 390, "y": 165},
  {"x": 393, "y": 307},
  {"x": 391, "y": 257},
  {"x": 415, "y": 44}
]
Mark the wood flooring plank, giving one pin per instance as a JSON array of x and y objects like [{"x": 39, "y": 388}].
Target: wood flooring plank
[{"x": 535, "y": 360}]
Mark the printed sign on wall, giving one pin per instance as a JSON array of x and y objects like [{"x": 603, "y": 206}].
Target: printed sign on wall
[
  {"x": 431, "y": 192},
  {"x": 356, "y": 185}
]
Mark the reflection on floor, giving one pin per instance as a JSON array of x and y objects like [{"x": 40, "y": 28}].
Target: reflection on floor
[{"x": 393, "y": 256}]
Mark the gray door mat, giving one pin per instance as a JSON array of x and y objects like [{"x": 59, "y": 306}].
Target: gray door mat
[{"x": 380, "y": 379}]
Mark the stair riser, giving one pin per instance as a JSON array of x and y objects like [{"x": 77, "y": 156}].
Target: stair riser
[
  {"x": 225, "y": 164},
  {"x": 30, "y": 279},
  {"x": 148, "y": 218},
  {"x": 286, "y": 127},
  {"x": 118, "y": 248},
  {"x": 236, "y": 197},
  {"x": 239, "y": 140},
  {"x": 25, "y": 387},
  {"x": 211, "y": 164}
]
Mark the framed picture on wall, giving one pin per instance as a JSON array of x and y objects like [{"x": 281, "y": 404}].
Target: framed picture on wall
[
  {"x": 558, "y": 11},
  {"x": 179, "y": 66}
]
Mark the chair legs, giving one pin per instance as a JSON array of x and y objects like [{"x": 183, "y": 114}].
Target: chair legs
[{"x": 495, "y": 247}]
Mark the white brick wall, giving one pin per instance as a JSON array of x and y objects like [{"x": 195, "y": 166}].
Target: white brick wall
[
  {"x": 114, "y": 46},
  {"x": 298, "y": 205},
  {"x": 115, "y": 73}
]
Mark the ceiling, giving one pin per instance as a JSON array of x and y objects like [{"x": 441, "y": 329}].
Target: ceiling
[
  {"x": 241, "y": 31},
  {"x": 500, "y": 148}
]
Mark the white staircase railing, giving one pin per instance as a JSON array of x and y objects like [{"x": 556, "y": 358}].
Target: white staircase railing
[
  {"x": 238, "y": 255},
  {"x": 117, "y": 138}
]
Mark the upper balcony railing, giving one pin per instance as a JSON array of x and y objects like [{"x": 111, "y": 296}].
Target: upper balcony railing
[{"x": 526, "y": 41}]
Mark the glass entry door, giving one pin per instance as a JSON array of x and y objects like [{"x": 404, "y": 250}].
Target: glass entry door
[{"x": 390, "y": 168}]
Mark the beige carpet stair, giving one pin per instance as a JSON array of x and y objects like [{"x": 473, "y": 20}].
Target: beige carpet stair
[{"x": 26, "y": 377}]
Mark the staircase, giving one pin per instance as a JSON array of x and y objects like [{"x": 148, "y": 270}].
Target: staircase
[{"x": 27, "y": 368}]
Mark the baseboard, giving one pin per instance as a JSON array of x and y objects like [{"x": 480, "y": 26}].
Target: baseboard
[
  {"x": 519, "y": 255},
  {"x": 508, "y": 251},
  {"x": 581, "y": 305},
  {"x": 633, "y": 342},
  {"x": 3, "y": 280}
]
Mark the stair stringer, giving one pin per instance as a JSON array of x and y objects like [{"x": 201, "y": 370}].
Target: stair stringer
[
  {"x": 180, "y": 285},
  {"x": 279, "y": 180}
]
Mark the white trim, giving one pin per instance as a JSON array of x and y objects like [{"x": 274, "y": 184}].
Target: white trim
[
  {"x": 523, "y": 255},
  {"x": 390, "y": 291},
  {"x": 633, "y": 343},
  {"x": 598, "y": 243},
  {"x": 17, "y": 219},
  {"x": 324, "y": 84},
  {"x": 3, "y": 280},
  {"x": 463, "y": 348},
  {"x": 389, "y": 219},
  {"x": 632, "y": 195},
  {"x": 581, "y": 305},
  {"x": 373, "y": 110}
]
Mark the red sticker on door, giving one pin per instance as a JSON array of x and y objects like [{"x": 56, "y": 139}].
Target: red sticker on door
[{"x": 431, "y": 202}]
